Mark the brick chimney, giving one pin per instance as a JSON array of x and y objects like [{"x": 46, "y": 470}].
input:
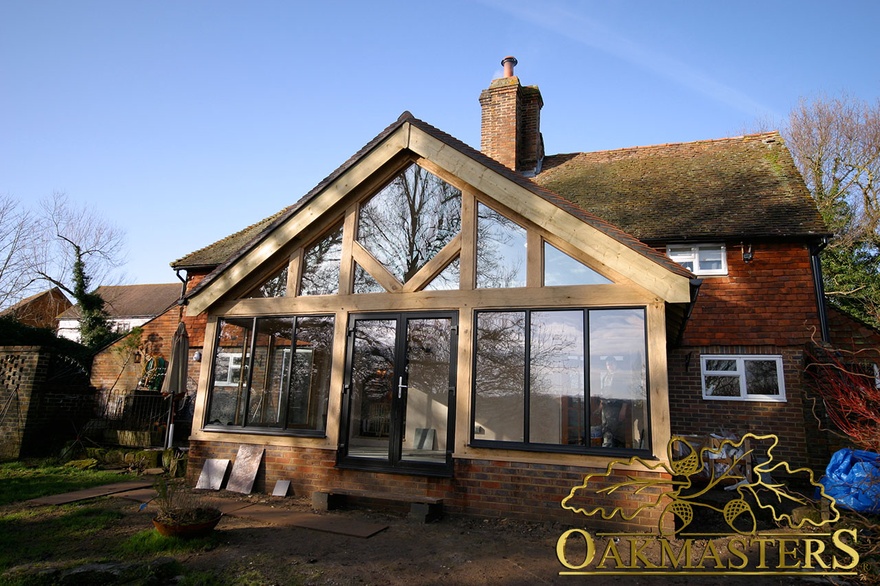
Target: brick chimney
[{"x": 511, "y": 127}]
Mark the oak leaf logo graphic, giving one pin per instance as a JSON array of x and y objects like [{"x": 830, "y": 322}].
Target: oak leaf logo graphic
[{"x": 694, "y": 472}]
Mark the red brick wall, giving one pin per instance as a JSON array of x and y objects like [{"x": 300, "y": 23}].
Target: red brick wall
[
  {"x": 44, "y": 402},
  {"x": 484, "y": 488},
  {"x": 769, "y": 301},
  {"x": 850, "y": 334},
  {"x": 791, "y": 420},
  {"x": 114, "y": 371},
  {"x": 767, "y": 306}
]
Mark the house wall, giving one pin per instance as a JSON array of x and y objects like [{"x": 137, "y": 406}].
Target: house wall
[
  {"x": 767, "y": 306},
  {"x": 769, "y": 301},
  {"x": 114, "y": 369},
  {"x": 481, "y": 487},
  {"x": 42, "y": 401}
]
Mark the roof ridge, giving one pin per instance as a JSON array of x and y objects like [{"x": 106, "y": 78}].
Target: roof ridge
[{"x": 740, "y": 138}]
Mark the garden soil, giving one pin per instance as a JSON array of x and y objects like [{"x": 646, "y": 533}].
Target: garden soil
[{"x": 451, "y": 551}]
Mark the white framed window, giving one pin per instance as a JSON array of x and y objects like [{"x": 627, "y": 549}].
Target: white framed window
[
  {"x": 740, "y": 377},
  {"x": 227, "y": 369},
  {"x": 700, "y": 259}
]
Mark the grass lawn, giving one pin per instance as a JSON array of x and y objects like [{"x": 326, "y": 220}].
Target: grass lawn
[{"x": 20, "y": 481}]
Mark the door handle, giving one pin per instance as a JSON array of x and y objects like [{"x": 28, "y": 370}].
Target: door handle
[{"x": 400, "y": 387}]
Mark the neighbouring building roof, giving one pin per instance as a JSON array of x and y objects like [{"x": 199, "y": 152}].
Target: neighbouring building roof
[
  {"x": 39, "y": 310},
  {"x": 133, "y": 301},
  {"x": 746, "y": 186}
]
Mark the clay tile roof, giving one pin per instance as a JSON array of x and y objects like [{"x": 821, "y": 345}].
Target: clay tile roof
[
  {"x": 713, "y": 189},
  {"x": 129, "y": 301}
]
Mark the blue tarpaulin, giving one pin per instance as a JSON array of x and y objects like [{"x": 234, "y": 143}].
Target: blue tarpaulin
[{"x": 852, "y": 478}]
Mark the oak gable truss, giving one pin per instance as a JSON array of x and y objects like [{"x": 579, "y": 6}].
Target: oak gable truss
[{"x": 647, "y": 277}]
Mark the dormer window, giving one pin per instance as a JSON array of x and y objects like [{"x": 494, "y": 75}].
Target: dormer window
[{"x": 700, "y": 259}]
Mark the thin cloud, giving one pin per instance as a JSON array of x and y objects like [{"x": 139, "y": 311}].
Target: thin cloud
[{"x": 580, "y": 29}]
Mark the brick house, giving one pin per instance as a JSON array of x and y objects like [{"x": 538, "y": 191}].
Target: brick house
[
  {"x": 127, "y": 306},
  {"x": 488, "y": 327},
  {"x": 39, "y": 310}
]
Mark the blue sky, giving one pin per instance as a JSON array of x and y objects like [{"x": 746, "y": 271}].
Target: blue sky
[{"x": 185, "y": 121}]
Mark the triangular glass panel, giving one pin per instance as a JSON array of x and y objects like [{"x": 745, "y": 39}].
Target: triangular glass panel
[
  {"x": 364, "y": 282},
  {"x": 409, "y": 221},
  {"x": 447, "y": 280},
  {"x": 274, "y": 286},
  {"x": 561, "y": 269},
  {"x": 320, "y": 267},
  {"x": 501, "y": 251}
]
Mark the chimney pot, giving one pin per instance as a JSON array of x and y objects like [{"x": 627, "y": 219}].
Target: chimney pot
[{"x": 509, "y": 63}]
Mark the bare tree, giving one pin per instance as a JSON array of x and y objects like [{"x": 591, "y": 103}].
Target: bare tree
[
  {"x": 16, "y": 233},
  {"x": 836, "y": 146},
  {"x": 73, "y": 248}
]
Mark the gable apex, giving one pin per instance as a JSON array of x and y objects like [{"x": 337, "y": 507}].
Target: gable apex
[{"x": 414, "y": 136}]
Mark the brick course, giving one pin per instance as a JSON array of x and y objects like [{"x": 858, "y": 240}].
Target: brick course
[
  {"x": 43, "y": 401},
  {"x": 485, "y": 488}
]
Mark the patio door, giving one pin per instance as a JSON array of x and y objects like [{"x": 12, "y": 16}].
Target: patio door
[{"x": 399, "y": 399}]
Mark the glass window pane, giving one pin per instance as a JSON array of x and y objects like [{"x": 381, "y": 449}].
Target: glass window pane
[
  {"x": 683, "y": 255},
  {"x": 275, "y": 286},
  {"x": 429, "y": 351},
  {"x": 320, "y": 270},
  {"x": 228, "y": 388},
  {"x": 556, "y": 387},
  {"x": 310, "y": 383},
  {"x": 721, "y": 365},
  {"x": 372, "y": 387},
  {"x": 447, "y": 280},
  {"x": 722, "y": 386},
  {"x": 364, "y": 282},
  {"x": 711, "y": 258},
  {"x": 501, "y": 251},
  {"x": 271, "y": 368},
  {"x": 761, "y": 377},
  {"x": 561, "y": 269},
  {"x": 499, "y": 398},
  {"x": 618, "y": 377},
  {"x": 409, "y": 221}
]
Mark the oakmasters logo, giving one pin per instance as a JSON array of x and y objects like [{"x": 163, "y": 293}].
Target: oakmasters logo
[{"x": 719, "y": 482}]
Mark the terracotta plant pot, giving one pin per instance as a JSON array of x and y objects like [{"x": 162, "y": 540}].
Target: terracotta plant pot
[{"x": 186, "y": 530}]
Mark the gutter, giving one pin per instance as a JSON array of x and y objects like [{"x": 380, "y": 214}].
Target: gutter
[
  {"x": 182, "y": 299},
  {"x": 819, "y": 286}
]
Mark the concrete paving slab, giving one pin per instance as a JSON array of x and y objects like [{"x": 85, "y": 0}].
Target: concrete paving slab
[
  {"x": 326, "y": 523},
  {"x": 90, "y": 493}
]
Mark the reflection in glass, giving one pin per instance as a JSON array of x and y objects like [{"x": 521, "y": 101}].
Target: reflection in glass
[
  {"x": 428, "y": 355},
  {"x": 364, "y": 283},
  {"x": 310, "y": 384},
  {"x": 501, "y": 251},
  {"x": 409, "y": 221},
  {"x": 229, "y": 380},
  {"x": 561, "y": 269},
  {"x": 722, "y": 386},
  {"x": 275, "y": 286},
  {"x": 618, "y": 376},
  {"x": 556, "y": 378},
  {"x": 320, "y": 270},
  {"x": 272, "y": 373},
  {"x": 761, "y": 377},
  {"x": 372, "y": 387},
  {"x": 270, "y": 366},
  {"x": 499, "y": 380},
  {"x": 448, "y": 278}
]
